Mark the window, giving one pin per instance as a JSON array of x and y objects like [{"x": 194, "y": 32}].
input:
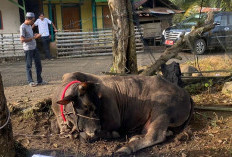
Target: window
[
  {"x": 1, "y": 24},
  {"x": 230, "y": 19},
  {"x": 222, "y": 19}
]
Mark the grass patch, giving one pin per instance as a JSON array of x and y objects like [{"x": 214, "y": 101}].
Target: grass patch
[{"x": 213, "y": 63}]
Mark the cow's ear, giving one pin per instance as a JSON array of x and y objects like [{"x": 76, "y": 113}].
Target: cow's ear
[{"x": 65, "y": 100}]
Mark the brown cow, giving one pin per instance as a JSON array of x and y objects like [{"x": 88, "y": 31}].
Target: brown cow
[{"x": 150, "y": 106}]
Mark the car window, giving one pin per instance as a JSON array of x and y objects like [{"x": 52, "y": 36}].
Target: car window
[
  {"x": 217, "y": 19},
  {"x": 230, "y": 20},
  {"x": 192, "y": 20},
  {"x": 222, "y": 19}
]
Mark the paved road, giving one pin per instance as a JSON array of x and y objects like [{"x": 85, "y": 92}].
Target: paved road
[{"x": 14, "y": 74}]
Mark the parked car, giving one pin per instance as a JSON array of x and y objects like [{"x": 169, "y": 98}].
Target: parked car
[{"x": 219, "y": 36}]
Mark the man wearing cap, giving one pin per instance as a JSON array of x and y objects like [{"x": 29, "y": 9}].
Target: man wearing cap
[
  {"x": 31, "y": 53},
  {"x": 42, "y": 24}
]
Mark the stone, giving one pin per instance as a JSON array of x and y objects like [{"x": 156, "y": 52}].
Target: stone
[
  {"x": 189, "y": 69},
  {"x": 227, "y": 89}
]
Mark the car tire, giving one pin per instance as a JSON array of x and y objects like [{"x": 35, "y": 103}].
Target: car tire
[{"x": 199, "y": 46}]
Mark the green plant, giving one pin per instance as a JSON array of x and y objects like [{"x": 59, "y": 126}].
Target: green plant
[
  {"x": 216, "y": 120},
  {"x": 28, "y": 113},
  {"x": 112, "y": 70},
  {"x": 195, "y": 88},
  {"x": 209, "y": 84}
]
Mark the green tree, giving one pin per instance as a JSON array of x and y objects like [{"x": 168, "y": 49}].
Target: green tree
[
  {"x": 192, "y": 6},
  {"x": 186, "y": 4}
]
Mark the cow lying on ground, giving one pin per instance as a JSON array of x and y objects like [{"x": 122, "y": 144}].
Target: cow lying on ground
[{"x": 149, "y": 106}]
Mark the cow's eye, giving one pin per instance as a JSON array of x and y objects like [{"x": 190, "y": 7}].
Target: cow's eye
[{"x": 85, "y": 107}]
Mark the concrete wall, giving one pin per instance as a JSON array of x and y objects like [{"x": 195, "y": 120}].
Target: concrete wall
[
  {"x": 99, "y": 17},
  {"x": 10, "y": 17},
  {"x": 58, "y": 17},
  {"x": 86, "y": 16}
]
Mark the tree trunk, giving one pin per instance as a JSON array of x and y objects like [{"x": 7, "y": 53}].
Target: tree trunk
[
  {"x": 124, "y": 54},
  {"x": 131, "y": 62},
  {"x": 6, "y": 135}
]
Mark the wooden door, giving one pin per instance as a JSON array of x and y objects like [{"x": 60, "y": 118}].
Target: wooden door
[
  {"x": 107, "y": 23},
  {"x": 71, "y": 18}
]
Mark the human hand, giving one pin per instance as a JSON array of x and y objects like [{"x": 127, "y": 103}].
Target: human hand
[
  {"x": 55, "y": 30},
  {"x": 36, "y": 36}
]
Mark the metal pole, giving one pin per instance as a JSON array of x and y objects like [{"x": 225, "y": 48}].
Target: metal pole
[
  {"x": 94, "y": 17},
  {"x": 50, "y": 17},
  {"x": 24, "y": 10},
  {"x": 20, "y": 6}
]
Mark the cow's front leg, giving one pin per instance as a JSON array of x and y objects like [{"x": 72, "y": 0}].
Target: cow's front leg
[
  {"x": 108, "y": 134},
  {"x": 156, "y": 133}
]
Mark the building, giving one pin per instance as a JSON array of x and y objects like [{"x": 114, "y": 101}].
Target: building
[
  {"x": 78, "y": 15},
  {"x": 9, "y": 17},
  {"x": 87, "y": 15},
  {"x": 82, "y": 15},
  {"x": 155, "y": 16}
]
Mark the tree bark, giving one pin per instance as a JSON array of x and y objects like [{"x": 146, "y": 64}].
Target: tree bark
[
  {"x": 131, "y": 62},
  {"x": 124, "y": 54},
  {"x": 6, "y": 134},
  {"x": 184, "y": 40}
]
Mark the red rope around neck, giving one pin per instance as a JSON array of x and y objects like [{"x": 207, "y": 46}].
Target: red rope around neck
[{"x": 62, "y": 97}]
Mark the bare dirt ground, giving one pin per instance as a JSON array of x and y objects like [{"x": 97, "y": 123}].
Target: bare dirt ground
[{"x": 209, "y": 133}]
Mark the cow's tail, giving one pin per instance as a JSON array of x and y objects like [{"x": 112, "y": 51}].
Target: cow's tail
[{"x": 186, "y": 123}]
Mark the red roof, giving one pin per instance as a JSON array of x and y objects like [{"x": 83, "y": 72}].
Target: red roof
[{"x": 206, "y": 9}]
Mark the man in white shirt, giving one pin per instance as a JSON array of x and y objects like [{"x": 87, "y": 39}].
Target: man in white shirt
[{"x": 42, "y": 24}]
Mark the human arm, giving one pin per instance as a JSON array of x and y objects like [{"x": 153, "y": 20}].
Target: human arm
[
  {"x": 23, "y": 39},
  {"x": 54, "y": 27},
  {"x": 35, "y": 24},
  {"x": 51, "y": 23},
  {"x": 23, "y": 34}
]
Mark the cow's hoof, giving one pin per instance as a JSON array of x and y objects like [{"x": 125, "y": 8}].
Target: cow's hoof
[
  {"x": 64, "y": 135},
  {"x": 123, "y": 151},
  {"x": 74, "y": 136},
  {"x": 83, "y": 137},
  {"x": 115, "y": 134},
  {"x": 169, "y": 133},
  {"x": 134, "y": 138}
]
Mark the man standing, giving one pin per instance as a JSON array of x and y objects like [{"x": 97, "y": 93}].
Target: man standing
[
  {"x": 29, "y": 46},
  {"x": 42, "y": 24}
]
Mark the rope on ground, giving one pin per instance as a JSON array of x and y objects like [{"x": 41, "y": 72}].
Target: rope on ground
[
  {"x": 214, "y": 108},
  {"x": 8, "y": 119}
]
